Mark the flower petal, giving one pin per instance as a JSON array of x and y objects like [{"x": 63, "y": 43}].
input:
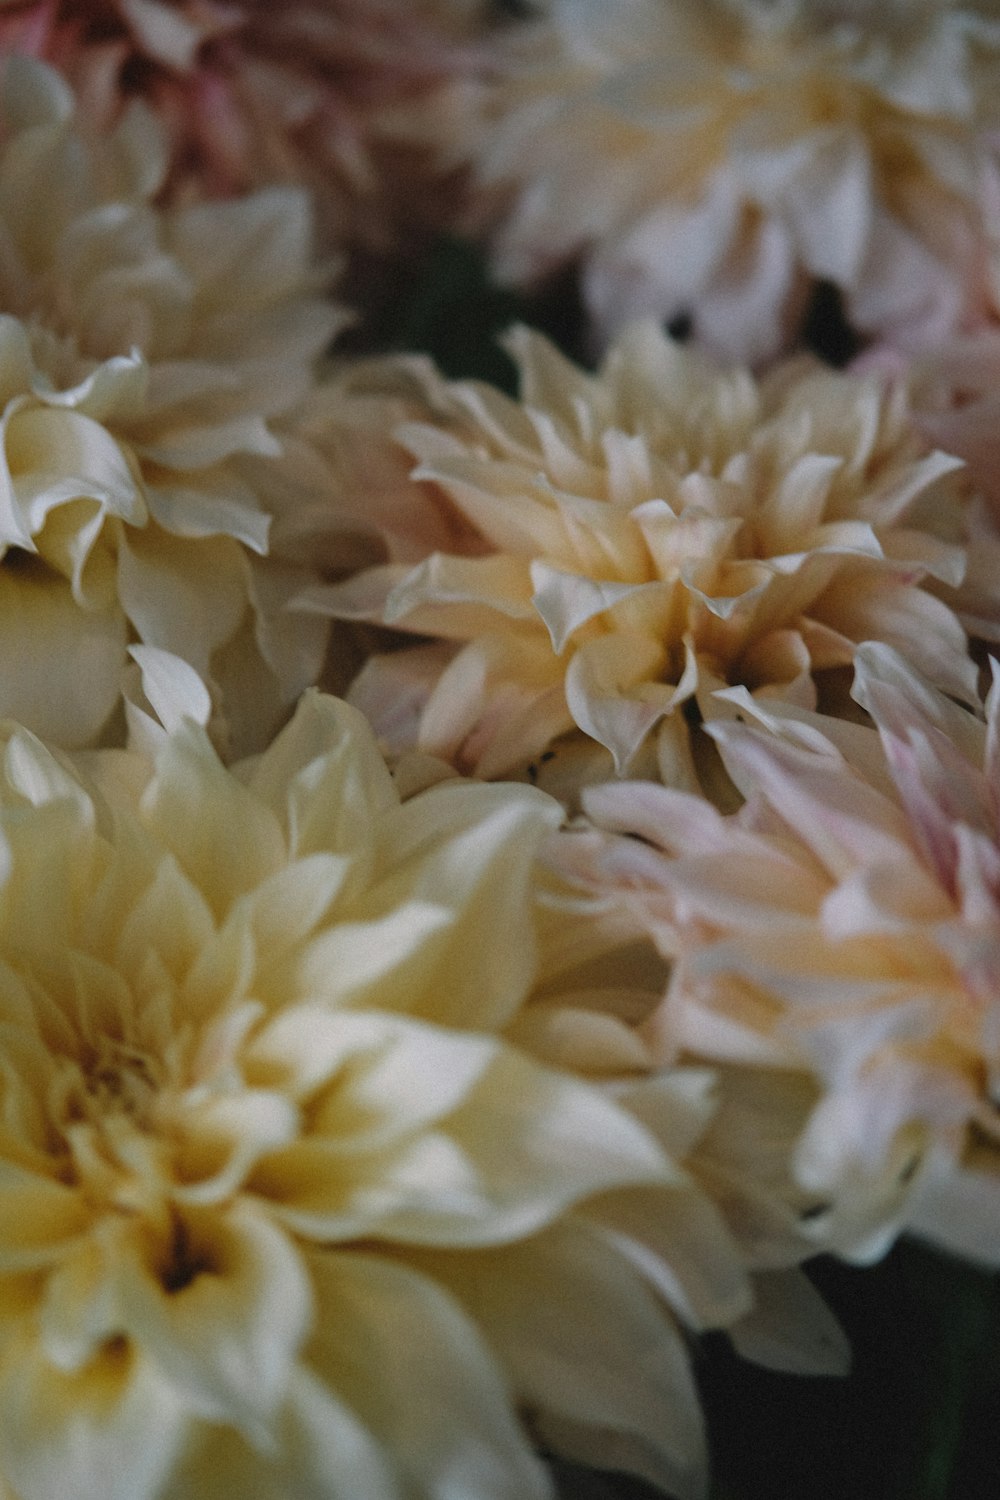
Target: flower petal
[
  {"x": 418, "y": 1371},
  {"x": 225, "y": 1317}
]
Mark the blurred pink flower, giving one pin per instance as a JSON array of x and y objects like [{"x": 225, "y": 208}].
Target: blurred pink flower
[
  {"x": 954, "y": 398},
  {"x": 254, "y": 93},
  {"x": 956, "y": 395}
]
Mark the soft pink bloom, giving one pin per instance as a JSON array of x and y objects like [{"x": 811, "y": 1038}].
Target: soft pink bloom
[
  {"x": 845, "y": 924},
  {"x": 254, "y": 93},
  {"x": 955, "y": 403},
  {"x": 956, "y": 398}
]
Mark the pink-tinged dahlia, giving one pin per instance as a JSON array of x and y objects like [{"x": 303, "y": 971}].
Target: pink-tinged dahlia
[
  {"x": 846, "y": 924},
  {"x": 252, "y": 93},
  {"x": 286, "y": 1207},
  {"x": 713, "y": 159},
  {"x": 654, "y": 531},
  {"x": 149, "y": 361}
]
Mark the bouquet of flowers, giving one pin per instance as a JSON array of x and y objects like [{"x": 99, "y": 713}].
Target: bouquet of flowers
[{"x": 499, "y": 749}]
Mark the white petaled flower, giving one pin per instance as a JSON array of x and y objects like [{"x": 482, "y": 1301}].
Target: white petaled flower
[
  {"x": 655, "y": 531},
  {"x": 844, "y": 924},
  {"x": 147, "y": 357},
  {"x": 714, "y": 159},
  {"x": 281, "y": 1208}
]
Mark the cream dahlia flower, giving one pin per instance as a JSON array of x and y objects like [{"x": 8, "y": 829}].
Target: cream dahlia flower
[
  {"x": 712, "y": 159},
  {"x": 282, "y": 1209},
  {"x": 845, "y": 924},
  {"x": 147, "y": 359},
  {"x": 251, "y": 93},
  {"x": 656, "y": 530}
]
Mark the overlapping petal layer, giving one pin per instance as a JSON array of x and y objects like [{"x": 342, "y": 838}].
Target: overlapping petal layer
[
  {"x": 713, "y": 161},
  {"x": 843, "y": 927},
  {"x": 147, "y": 358},
  {"x": 656, "y": 530},
  {"x": 284, "y": 1204}
]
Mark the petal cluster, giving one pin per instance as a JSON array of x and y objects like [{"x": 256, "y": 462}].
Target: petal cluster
[
  {"x": 281, "y": 1206},
  {"x": 147, "y": 358},
  {"x": 844, "y": 925},
  {"x": 654, "y": 531},
  {"x": 714, "y": 161},
  {"x": 250, "y": 94}
]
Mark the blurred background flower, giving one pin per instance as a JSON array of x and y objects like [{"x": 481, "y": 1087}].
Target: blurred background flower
[
  {"x": 710, "y": 163},
  {"x": 251, "y": 93}
]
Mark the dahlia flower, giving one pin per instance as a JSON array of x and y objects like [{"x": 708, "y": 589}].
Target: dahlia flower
[
  {"x": 251, "y": 94},
  {"x": 843, "y": 926},
  {"x": 284, "y": 1210},
  {"x": 147, "y": 359},
  {"x": 712, "y": 159},
  {"x": 655, "y": 531}
]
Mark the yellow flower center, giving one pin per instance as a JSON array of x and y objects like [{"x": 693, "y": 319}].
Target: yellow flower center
[
  {"x": 119, "y": 1080},
  {"x": 105, "y": 1111}
]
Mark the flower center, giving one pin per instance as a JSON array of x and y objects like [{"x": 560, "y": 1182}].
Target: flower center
[
  {"x": 105, "y": 1106},
  {"x": 28, "y": 565},
  {"x": 116, "y": 1083},
  {"x": 122, "y": 1079}
]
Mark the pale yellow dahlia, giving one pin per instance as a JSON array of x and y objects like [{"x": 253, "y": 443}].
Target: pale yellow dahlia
[
  {"x": 251, "y": 93},
  {"x": 147, "y": 359},
  {"x": 844, "y": 925},
  {"x": 282, "y": 1212},
  {"x": 713, "y": 159},
  {"x": 655, "y": 531}
]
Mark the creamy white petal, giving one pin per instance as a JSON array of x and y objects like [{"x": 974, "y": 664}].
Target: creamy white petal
[{"x": 446, "y": 1412}]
